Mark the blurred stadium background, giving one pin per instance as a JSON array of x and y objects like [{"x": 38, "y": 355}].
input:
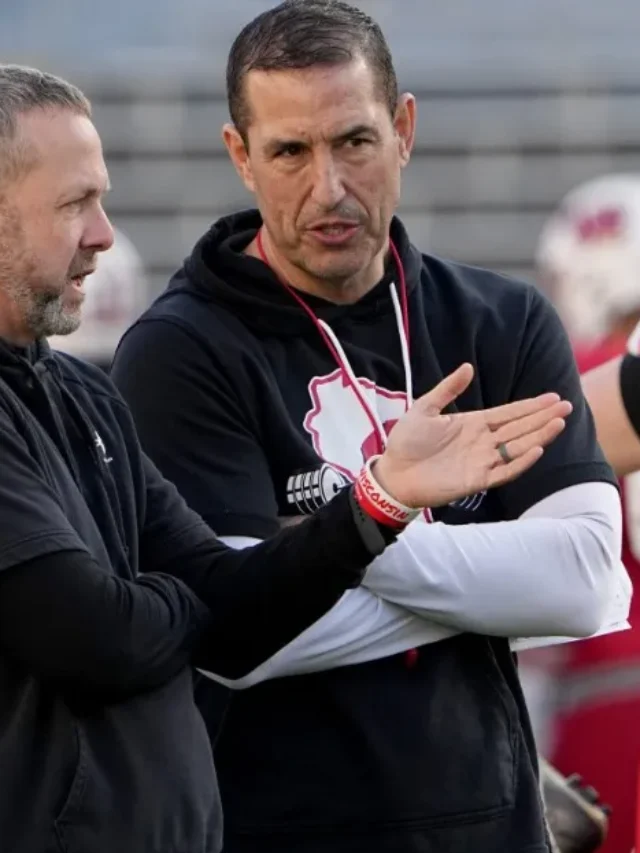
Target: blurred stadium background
[{"x": 519, "y": 100}]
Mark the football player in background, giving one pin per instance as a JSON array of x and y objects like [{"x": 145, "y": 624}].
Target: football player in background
[{"x": 585, "y": 696}]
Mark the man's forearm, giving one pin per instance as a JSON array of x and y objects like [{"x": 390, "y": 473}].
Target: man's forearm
[
  {"x": 360, "y": 628},
  {"x": 493, "y": 597},
  {"x": 542, "y": 575},
  {"x": 68, "y": 622},
  {"x": 611, "y": 390},
  {"x": 262, "y": 597}
]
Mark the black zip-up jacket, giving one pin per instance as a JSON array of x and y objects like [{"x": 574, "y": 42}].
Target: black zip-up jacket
[
  {"x": 239, "y": 401},
  {"x": 110, "y": 588}
]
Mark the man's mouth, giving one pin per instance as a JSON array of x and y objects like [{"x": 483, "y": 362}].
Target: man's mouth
[
  {"x": 79, "y": 278},
  {"x": 334, "y": 232}
]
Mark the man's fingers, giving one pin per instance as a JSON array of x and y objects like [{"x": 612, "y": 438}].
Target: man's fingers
[
  {"x": 500, "y": 415},
  {"x": 446, "y": 391},
  {"x": 520, "y": 447},
  {"x": 540, "y": 438},
  {"x": 502, "y": 474},
  {"x": 532, "y": 423}
]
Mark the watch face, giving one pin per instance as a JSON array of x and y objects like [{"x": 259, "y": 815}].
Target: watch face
[{"x": 308, "y": 491}]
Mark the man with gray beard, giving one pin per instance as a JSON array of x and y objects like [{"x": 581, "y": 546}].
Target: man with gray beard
[{"x": 42, "y": 263}]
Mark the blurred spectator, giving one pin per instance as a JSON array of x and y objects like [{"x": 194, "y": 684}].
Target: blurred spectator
[
  {"x": 586, "y": 695},
  {"x": 116, "y": 294},
  {"x": 589, "y": 263}
]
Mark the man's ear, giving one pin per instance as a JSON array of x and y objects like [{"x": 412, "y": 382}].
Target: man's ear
[
  {"x": 239, "y": 154},
  {"x": 404, "y": 122}
]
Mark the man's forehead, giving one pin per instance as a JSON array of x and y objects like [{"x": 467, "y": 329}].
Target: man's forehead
[
  {"x": 56, "y": 126},
  {"x": 305, "y": 90},
  {"x": 67, "y": 152},
  {"x": 62, "y": 139},
  {"x": 90, "y": 181},
  {"x": 274, "y": 135},
  {"x": 312, "y": 103}
]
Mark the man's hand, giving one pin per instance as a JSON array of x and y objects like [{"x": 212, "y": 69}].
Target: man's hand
[
  {"x": 432, "y": 459},
  {"x": 578, "y": 821}
]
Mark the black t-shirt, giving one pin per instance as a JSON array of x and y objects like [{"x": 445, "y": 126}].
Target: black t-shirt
[{"x": 240, "y": 402}]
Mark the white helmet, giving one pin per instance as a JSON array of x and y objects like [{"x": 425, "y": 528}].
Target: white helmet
[
  {"x": 116, "y": 294},
  {"x": 589, "y": 252}
]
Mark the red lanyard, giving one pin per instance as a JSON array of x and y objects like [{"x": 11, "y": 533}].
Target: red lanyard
[
  {"x": 411, "y": 655},
  {"x": 346, "y": 375}
]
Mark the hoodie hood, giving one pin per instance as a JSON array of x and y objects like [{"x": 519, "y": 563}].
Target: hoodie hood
[{"x": 219, "y": 272}]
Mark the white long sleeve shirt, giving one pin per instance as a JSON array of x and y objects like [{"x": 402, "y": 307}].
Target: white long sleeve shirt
[{"x": 553, "y": 573}]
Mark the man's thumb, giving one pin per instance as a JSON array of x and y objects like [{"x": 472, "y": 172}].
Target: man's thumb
[{"x": 446, "y": 391}]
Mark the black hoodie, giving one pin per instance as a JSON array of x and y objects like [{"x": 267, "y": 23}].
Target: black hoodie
[
  {"x": 239, "y": 401},
  {"x": 110, "y": 586}
]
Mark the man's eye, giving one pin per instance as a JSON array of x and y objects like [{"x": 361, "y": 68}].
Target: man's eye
[{"x": 292, "y": 150}]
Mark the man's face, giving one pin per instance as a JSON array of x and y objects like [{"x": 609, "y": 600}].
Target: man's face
[
  {"x": 324, "y": 158},
  {"x": 52, "y": 226}
]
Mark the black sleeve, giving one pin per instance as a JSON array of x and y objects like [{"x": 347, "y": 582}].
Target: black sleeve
[
  {"x": 630, "y": 388},
  {"x": 200, "y": 436},
  {"x": 117, "y": 631},
  {"x": 69, "y": 622},
  {"x": 545, "y": 362},
  {"x": 198, "y": 427},
  {"x": 259, "y": 598},
  {"x": 32, "y": 522}
]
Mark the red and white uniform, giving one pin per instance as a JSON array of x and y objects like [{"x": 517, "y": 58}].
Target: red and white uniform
[
  {"x": 596, "y": 731},
  {"x": 589, "y": 252}
]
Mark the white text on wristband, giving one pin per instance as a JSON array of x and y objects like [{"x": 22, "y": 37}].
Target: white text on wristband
[{"x": 379, "y": 504}]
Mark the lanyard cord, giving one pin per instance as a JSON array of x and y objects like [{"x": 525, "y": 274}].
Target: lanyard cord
[{"x": 401, "y": 310}]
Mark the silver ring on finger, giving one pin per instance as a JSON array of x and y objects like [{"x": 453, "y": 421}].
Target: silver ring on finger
[{"x": 504, "y": 453}]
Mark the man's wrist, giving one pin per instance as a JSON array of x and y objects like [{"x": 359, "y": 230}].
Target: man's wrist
[{"x": 378, "y": 503}]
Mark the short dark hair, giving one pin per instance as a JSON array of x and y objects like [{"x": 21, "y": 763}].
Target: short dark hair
[{"x": 301, "y": 34}]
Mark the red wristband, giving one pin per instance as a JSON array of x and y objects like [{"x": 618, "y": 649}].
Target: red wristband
[{"x": 377, "y": 503}]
